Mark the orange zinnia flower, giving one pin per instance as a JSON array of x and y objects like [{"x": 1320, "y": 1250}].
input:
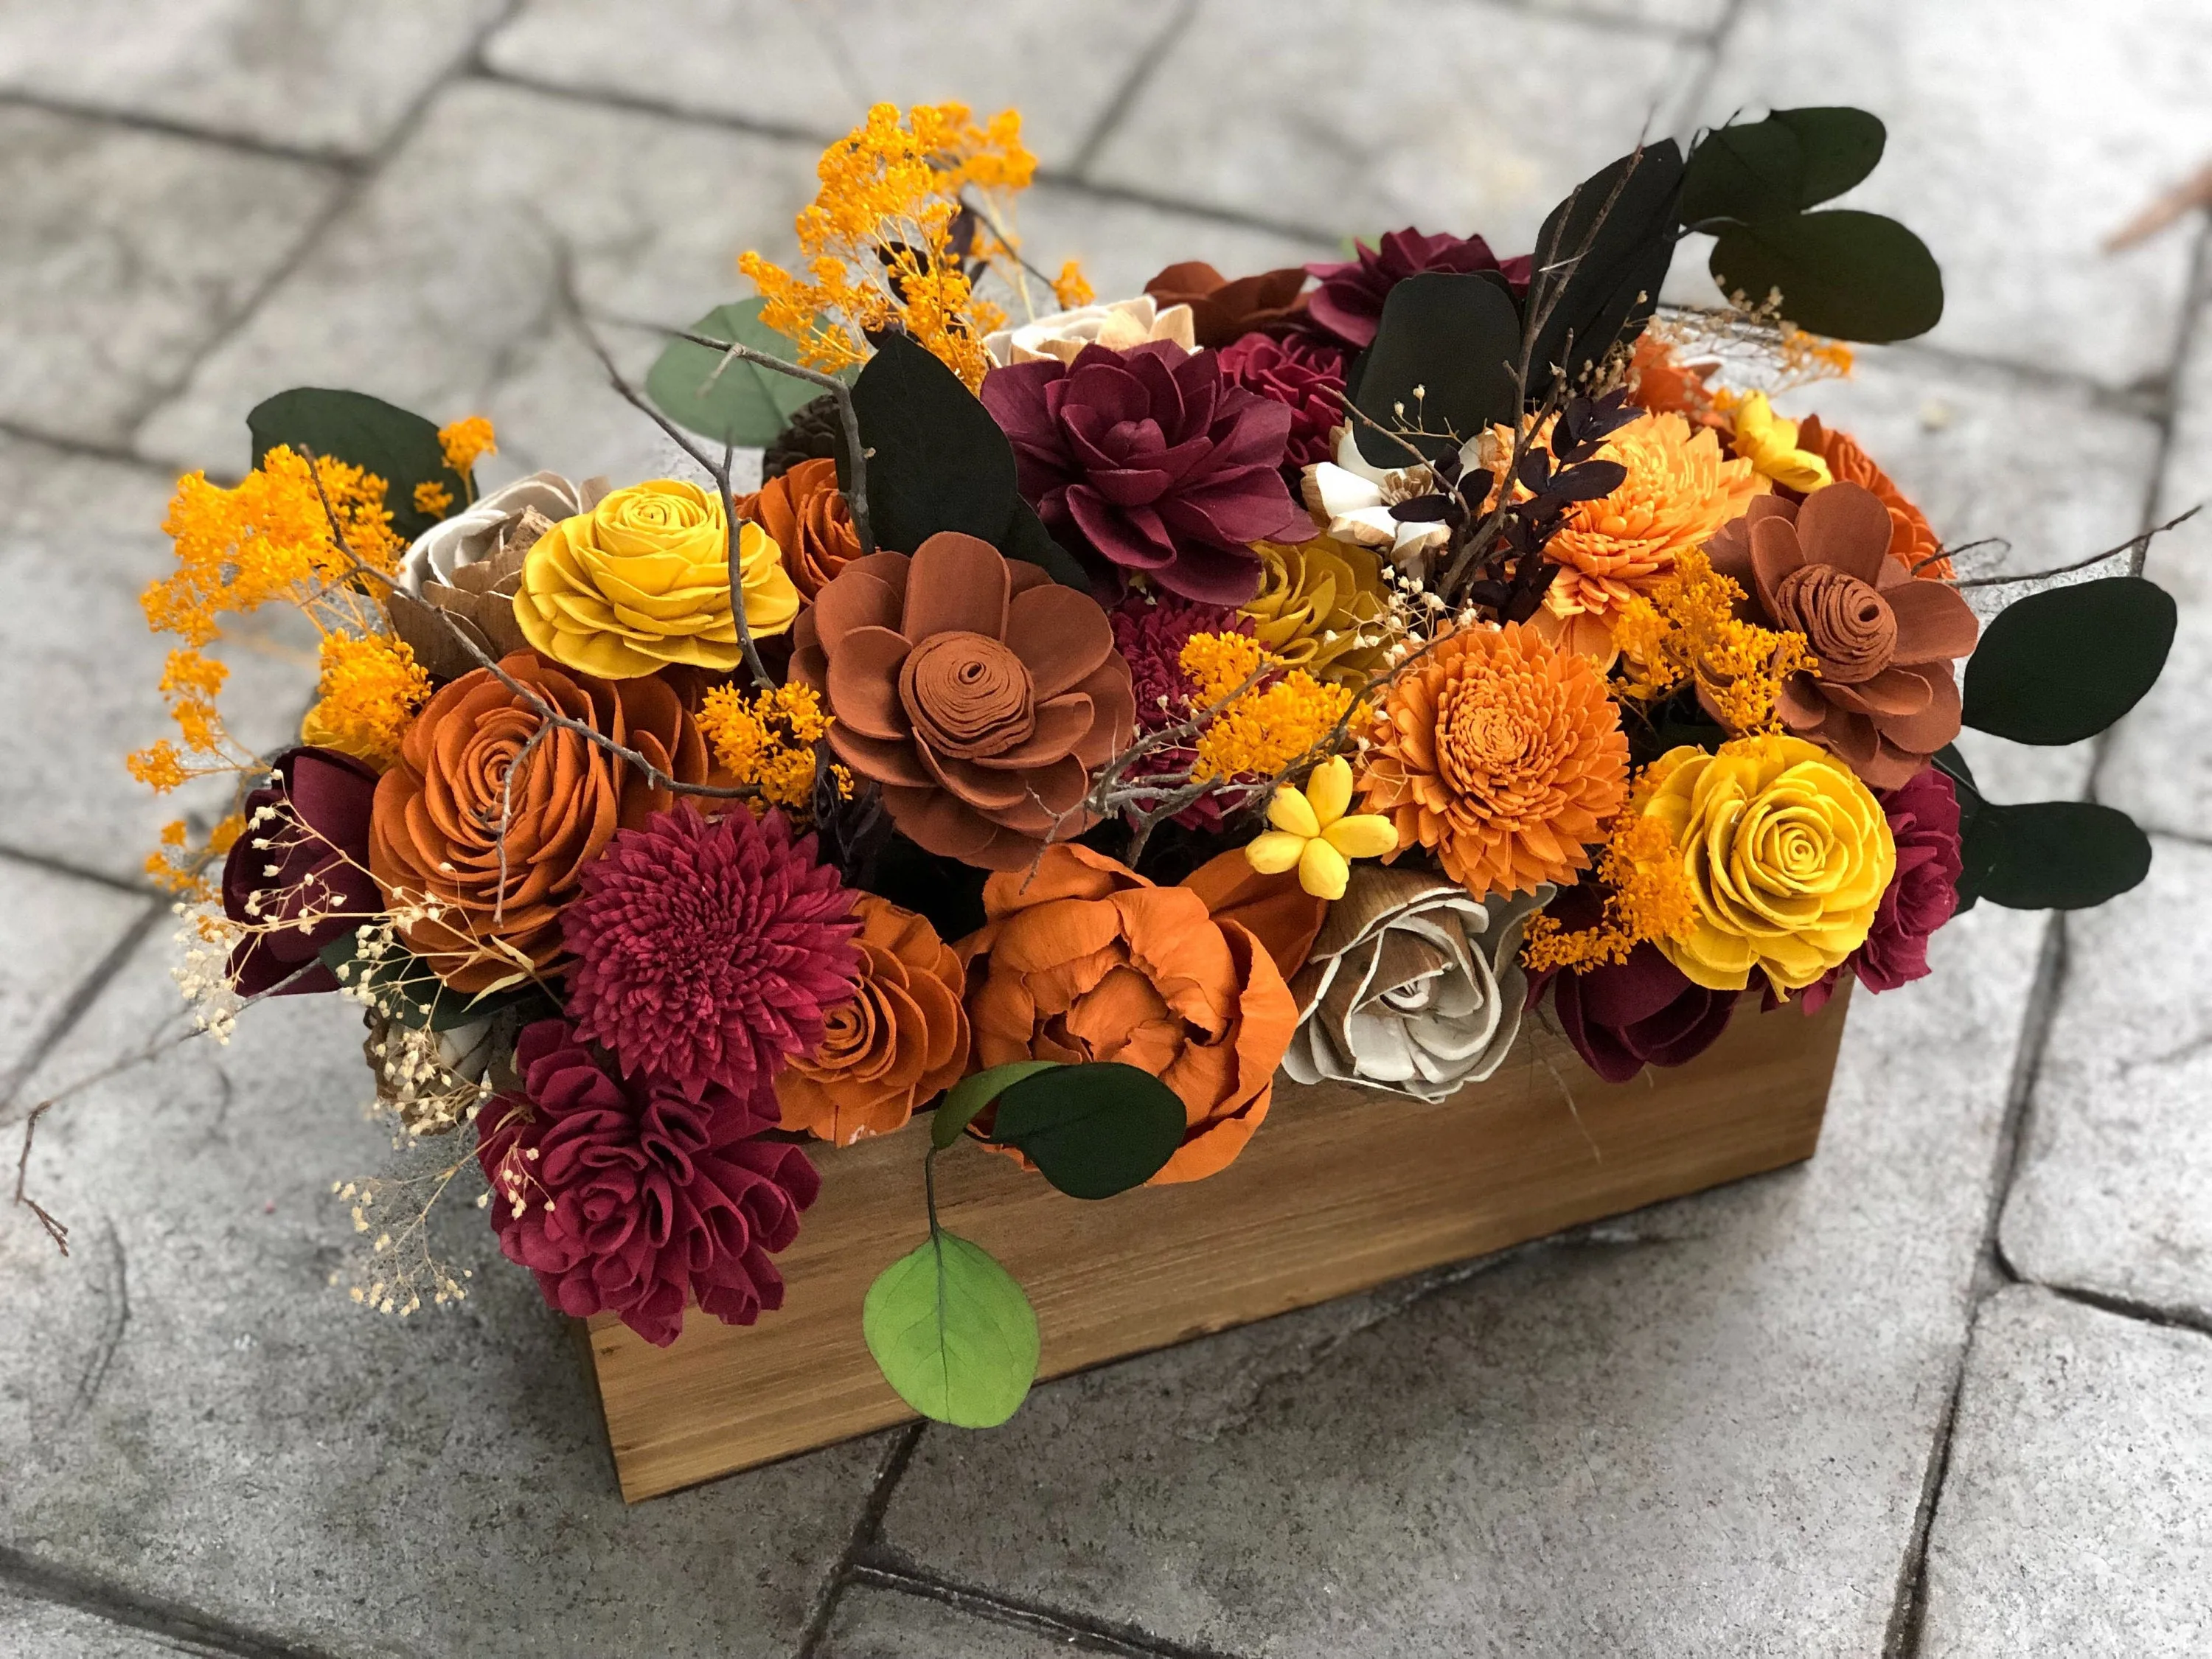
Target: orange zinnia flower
[
  {"x": 1501, "y": 754},
  {"x": 1912, "y": 540},
  {"x": 1681, "y": 486},
  {"x": 1083, "y": 959}
]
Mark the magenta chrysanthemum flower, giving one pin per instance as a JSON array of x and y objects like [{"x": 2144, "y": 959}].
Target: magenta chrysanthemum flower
[
  {"x": 707, "y": 950},
  {"x": 632, "y": 1199}
]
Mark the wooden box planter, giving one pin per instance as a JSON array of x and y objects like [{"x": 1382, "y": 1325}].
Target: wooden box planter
[{"x": 1341, "y": 1190}]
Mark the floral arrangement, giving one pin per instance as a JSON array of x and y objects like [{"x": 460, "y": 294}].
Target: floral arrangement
[{"x": 1096, "y": 718}]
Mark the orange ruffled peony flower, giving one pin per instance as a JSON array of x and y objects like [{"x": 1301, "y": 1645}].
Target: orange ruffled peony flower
[
  {"x": 1083, "y": 959},
  {"x": 1913, "y": 541},
  {"x": 901, "y": 1041},
  {"x": 1502, "y": 755},
  {"x": 1681, "y": 486}
]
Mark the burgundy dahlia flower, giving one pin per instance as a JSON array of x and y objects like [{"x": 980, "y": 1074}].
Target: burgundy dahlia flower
[
  {"x": 707, "y": 950},
  {"x": 1303, "y": 372},
  {"x": 1923, "y": 893},
  {"x": 635, "y": 1198},
  {"x": 1622, "y": 1016},
  {"x": 1156, "y": 460},
  {"x": 1349, "y": 301},
  {"x": 303, "y": 854}
]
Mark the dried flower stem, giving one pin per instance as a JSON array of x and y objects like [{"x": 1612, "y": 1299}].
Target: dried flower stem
[{"x": 2137, "y": 547}]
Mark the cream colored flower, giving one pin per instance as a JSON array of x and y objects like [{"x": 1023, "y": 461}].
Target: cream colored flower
[
  {"x": 642, "y": 580},
  {"x": 1354, "y": 497},
  {"x": 1120, "y": 324},
  {"x": 486, "y": 527},
  {"x": 1313, "y": 835},
  {"x": 1413, "y": 986}
]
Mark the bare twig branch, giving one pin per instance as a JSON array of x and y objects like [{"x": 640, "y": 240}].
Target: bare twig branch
[
  {"x": 56, "y": 1230},
  {"x": 2137, "y": 546}
]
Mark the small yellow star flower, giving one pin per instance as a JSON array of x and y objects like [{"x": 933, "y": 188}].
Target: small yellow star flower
[
  {"x": 1770, "y": 444},
  {"x": 1312, "y": 833}
]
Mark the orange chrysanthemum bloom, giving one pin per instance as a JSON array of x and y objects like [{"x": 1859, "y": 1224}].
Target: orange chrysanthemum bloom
[
  {"x": 1500, "y": 754},
  {"x": 1681, "y": 486},
  {"x": 1912, "y": 540}
]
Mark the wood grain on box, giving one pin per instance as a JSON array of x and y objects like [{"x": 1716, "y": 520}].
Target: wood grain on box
[{"x": 1339, "y": 1191}]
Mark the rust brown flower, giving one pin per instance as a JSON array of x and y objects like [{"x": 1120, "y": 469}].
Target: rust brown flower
[
  {"x": 805, "y": 514},
  {"x": 1913, "y": 541},
  {"x": 1886, "y": 696},
  {"x": 1223, "y": 310},
  {"x": 435, "y": 835},
  {"x": 978, "y": 692}
]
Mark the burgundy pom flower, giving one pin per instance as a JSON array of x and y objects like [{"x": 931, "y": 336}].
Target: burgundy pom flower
[
  {"x": 1349, "y": 301},
  {"x": 1625, "y": 1016},
  {"x": 1301, "y": 371},
  {"x": 707, "y": 950},
  {"x": 1923, "y": 893},
  {"x": 1155, "y": 459},
  {"x": 633, "y": 1197},
  {"x": 1150, "y": 631},
  {"x": 311, "y": 827}
]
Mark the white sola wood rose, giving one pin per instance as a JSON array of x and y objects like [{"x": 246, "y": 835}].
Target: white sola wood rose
[
  {"x": 1413, "y": 986},
  {"x": 1120, "y": 324},
  {"x": 482, "y": 529}
]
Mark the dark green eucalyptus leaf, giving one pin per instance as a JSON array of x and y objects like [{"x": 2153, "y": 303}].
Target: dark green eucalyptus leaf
[
  {"x": 972, "y": 1094},
  {"x": 1953, "y": 765},
  {"x": 2051, "y": 854},
  {"x": 1442, "y": 360},
  {"x": 953, "y": 1333},
  {"x": 401, "y": 447},
  {"x": 733, "y": 402},
  {"x": 1028, "y": 540},
  {"x": 2062, "y": 665},
  {"x": 1613, "y": 238},
  {"x": 1793, "y": 160},
  {"x": 1094, "y": 1130},
  {"x": 1850, "y": 275}
]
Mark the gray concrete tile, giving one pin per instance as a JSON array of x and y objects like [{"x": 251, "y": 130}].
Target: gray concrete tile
[
  {"x": 816, "y": 68},
  {"x": 328, "y": 75},
  {"x": 2112, "y": 1191},
  {"x": 1700, "y": 1429},
  {"x": 1972, "y": 446},
  {"x": 41, "y": 1630},
  {"x": 123, "y": 254},
  {"x": 1360, "y": 116},
  {"x": 2074, "y": 1519},
  {"x": 880, "y": 1624},
  {"x": 1123, "y": 244},
  {"x": 438, "y": 284},
  {"x": 204, "y": 1418},
  {"x": 2019, "y": 139},
  {"x": 80, "y": 540},
  {"x": 1684, "y": 17},
  {"x": 54, "y": 931}
]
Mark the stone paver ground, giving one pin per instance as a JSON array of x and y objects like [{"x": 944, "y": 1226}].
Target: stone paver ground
[{"x": 1942, "y": 1391}]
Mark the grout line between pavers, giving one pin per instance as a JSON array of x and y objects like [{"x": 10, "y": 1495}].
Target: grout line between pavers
[
  {"x": 1606, "y": 22},
  {"x": 90, "y": 448},
  {"x": 59, "y": 867},
  {"x": 1098, "y": 1636},
  {"x": 80, "y": 999},
  {"x": 268, "y": 150},
  {"x": 1715, "y": 40},
  {"x": 355, "y": 179},
  {"x": 1124, "y": 96},
  {"x": 866, "y": 1529},
  {"x": 197, "y": 1631}
]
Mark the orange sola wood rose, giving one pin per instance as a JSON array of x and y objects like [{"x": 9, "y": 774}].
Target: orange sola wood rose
[
  {"x": 1083, "y": 959},
  {"x": 900, "y": 1042},
  {"x": 1502, "y": 755},
  {"x": 485, "y": 913}
]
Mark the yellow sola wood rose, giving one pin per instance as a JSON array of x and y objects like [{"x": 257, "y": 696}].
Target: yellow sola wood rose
[
  {"x": 642, "y": 580},
  {"x": 1786, "y": 851}
]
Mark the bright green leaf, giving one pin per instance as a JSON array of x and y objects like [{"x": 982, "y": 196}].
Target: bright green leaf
[
  {"x": 726, "y": 399},
  {"x": 1850, "y": 275},
  {"x": 2051, "y": 854},
  {"x": 1614, "y": 238},
  {"x": 399, "y": 445},
  {"x": 1092, "y": 1130},
  {"x": 972, "y": 1094},
  {"x": 2062, "y": 665},
  {"x": 1793, "y": 160},
  {"x": 952, "y": 1333},
  {"x": 1442, "y": 361}
]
